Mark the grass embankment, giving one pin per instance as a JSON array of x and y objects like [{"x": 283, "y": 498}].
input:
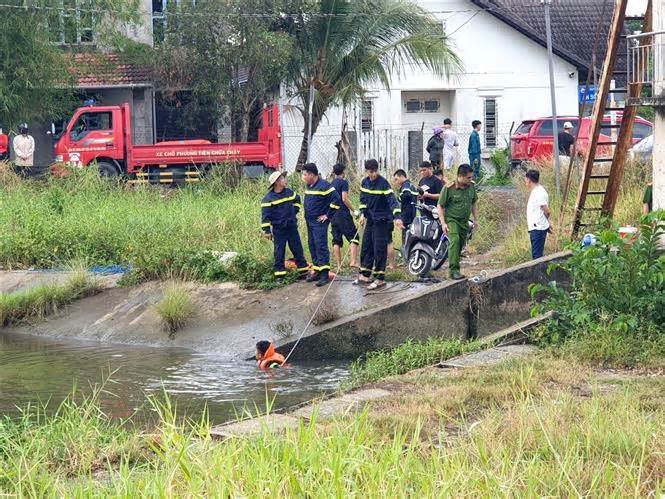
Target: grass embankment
[
  {"x": 407, "y": 357},
  {"x": 160, "y": 233},
  {"x": 508, "y": 239},
  {"x": 538, "y": 427},
  {"x": 44, "y": 299}
]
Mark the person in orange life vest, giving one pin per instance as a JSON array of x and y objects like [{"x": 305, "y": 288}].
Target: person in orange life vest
[{"x": 267, "y": 355}]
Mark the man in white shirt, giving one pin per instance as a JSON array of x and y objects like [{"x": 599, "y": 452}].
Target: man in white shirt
[
  {"x": 450, "y": 143},
  {"x": 24, "y": 149},
  {"x": 537, "y": 213}
]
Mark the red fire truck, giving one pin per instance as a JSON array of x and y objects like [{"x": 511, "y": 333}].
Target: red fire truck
[{"x": 102, "y": 136}]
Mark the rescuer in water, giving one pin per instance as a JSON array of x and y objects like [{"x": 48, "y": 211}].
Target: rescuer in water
[
  {"x": 267, "y": 355},
  {"x": 279, "y": 210}
]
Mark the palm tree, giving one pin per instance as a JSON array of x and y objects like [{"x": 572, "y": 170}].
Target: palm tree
[{"x": 341, "y": 46}]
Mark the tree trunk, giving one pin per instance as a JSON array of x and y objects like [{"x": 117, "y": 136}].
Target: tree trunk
[
  {"x": 304, "y": 146},
  {"x": 244, "y": 126}
]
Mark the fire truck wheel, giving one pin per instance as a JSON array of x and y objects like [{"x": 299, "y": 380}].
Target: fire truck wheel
[{"x": 107, "y": 170}]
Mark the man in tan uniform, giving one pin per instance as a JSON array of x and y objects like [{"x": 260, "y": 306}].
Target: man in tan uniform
[{"x": 24, "y": 149}]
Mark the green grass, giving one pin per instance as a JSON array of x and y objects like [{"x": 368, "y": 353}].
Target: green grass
[
  {"x": 515, "y": 429},
  {"x": 175, "y": 308},
  {"x": 406, "y": 357},
  {"x": 510, "y": 240},
  {"x": 160, "y": 233},
  {"x": 44, "y": 299}
]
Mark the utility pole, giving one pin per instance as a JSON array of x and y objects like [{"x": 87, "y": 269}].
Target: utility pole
[
  {"x": 555, "y": 128},
  {"x": 659, "y": 120}
]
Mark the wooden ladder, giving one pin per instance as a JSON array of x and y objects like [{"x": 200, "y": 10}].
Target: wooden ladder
[{"x": 599, "y": 185}]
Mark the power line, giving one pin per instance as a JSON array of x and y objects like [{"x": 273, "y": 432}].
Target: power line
[{"x": 283, "y": 15}]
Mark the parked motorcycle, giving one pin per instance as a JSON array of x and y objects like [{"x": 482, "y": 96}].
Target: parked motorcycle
[{"x": 425, "y": 245}]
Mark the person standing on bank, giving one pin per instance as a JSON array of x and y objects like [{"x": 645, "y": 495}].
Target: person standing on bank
[
  {"x": 321, "y": 203},
  {"x": 379, "y": 209},
  {"x": 429, "y": 195},
  {"x": 407, "y": 198},
  {"x": 279, "y": 210},
  {"x": 342, "y": 223},
  {"x": 566, "y": 139},
  {"x": 435, "y": 147},
  {"x": 457, "y": 204},
  {"x": 450, "y": 143},
  {"x": 24, "y": 150},
  {"x": 537, "y": 213},
  {"x": 474, "y": 148}
]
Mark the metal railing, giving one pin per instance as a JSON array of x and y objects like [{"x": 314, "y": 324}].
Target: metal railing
[{"x": 643, "y": 50}]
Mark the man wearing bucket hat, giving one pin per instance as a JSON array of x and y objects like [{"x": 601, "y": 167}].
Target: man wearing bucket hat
[
  {"x": 566, "y": 139},
  {"x": 279, "y": 210}
]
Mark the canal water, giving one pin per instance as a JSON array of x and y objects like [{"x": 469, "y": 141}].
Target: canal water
[{"x": 36, "y": 370}]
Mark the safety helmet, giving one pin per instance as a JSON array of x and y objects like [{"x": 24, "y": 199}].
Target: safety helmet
[
  {"x": 23, "y": 128},
  {"x": 438, "y": 130}
]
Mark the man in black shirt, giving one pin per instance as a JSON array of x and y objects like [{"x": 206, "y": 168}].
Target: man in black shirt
[
  {"x": 430, "y": 195},
  {"x": 566, "y": 139}
]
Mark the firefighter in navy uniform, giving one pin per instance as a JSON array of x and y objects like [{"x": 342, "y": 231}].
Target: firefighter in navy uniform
[
  {"x": 408, "y": 195},
  {"x": 379, "y": 209},
  {"x": 279, "y": 210},
  {"x": 321, "y": 203}
]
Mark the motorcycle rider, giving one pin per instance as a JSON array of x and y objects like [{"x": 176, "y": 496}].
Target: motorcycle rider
[{"x": 456, "y": 204}]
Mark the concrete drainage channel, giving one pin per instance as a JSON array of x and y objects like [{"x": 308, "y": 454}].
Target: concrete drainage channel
[
  {"x": 510, "y": 345},
  {"x": 461, "y": 309}
]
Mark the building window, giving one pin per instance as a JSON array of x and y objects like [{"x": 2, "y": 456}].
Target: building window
[
  {"x": 72, "y": 22},
  {"x": 366, "y": 116},
  {"x": 431, "y": 105},
  {"x": 412, "y": 106},
  {"x": 160, "y": 10},
  {"x": 490, "y": 122}
]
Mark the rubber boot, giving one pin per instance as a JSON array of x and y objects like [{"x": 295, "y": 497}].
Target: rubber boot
[
  {"x": 313, "y": 276},
  {"x": 323, "y": 279}
]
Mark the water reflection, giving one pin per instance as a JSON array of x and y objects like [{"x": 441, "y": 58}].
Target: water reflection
[{"x": 36, "y": 369}]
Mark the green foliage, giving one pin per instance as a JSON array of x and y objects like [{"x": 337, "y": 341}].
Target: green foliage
[
  {"x": 468, "y": 434},
  {"x": 175, "y": 308},
  {"x": 42, "y": 300},
  {"x": 406, "y": 357},
  {"x": 160, "y": 234},
  {"x": 500, "y": 159},
  {"x": 35, "y": 77},
  {"x": 617, "y": 289},
  {"x": 340, "y": 53},
  {"x": 231, "y": 61}
]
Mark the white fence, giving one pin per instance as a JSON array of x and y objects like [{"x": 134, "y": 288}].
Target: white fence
[{"x": 392, "y": 148}]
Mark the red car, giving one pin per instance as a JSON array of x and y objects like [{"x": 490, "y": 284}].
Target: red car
[
  {"x": 533, "y": 139},
  {"x": 4, "y": 146}
]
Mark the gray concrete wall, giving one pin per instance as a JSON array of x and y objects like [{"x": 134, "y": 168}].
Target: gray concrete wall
[
  {"x": 461, "y": 309},
  {"x": 504, "y": 298}
]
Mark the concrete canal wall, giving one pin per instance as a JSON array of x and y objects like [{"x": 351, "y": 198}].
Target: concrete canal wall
[
  {"x": 228, "y": 321},
  {"x": 461, "y": 309}
]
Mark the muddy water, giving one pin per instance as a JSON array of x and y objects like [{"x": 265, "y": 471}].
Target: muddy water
[{"x": 38, "y": 370}]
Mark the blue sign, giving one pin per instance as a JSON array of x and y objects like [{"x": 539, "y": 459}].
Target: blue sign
[{"x": 591, "y": 95}]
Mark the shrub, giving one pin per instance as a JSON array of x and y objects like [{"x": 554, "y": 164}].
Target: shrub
[
  {"x": 175, "y": 308},
  {"x": 617, "y": 289}
]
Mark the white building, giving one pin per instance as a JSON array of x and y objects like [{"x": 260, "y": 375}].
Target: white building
[{"x": 505, "y": 79}]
